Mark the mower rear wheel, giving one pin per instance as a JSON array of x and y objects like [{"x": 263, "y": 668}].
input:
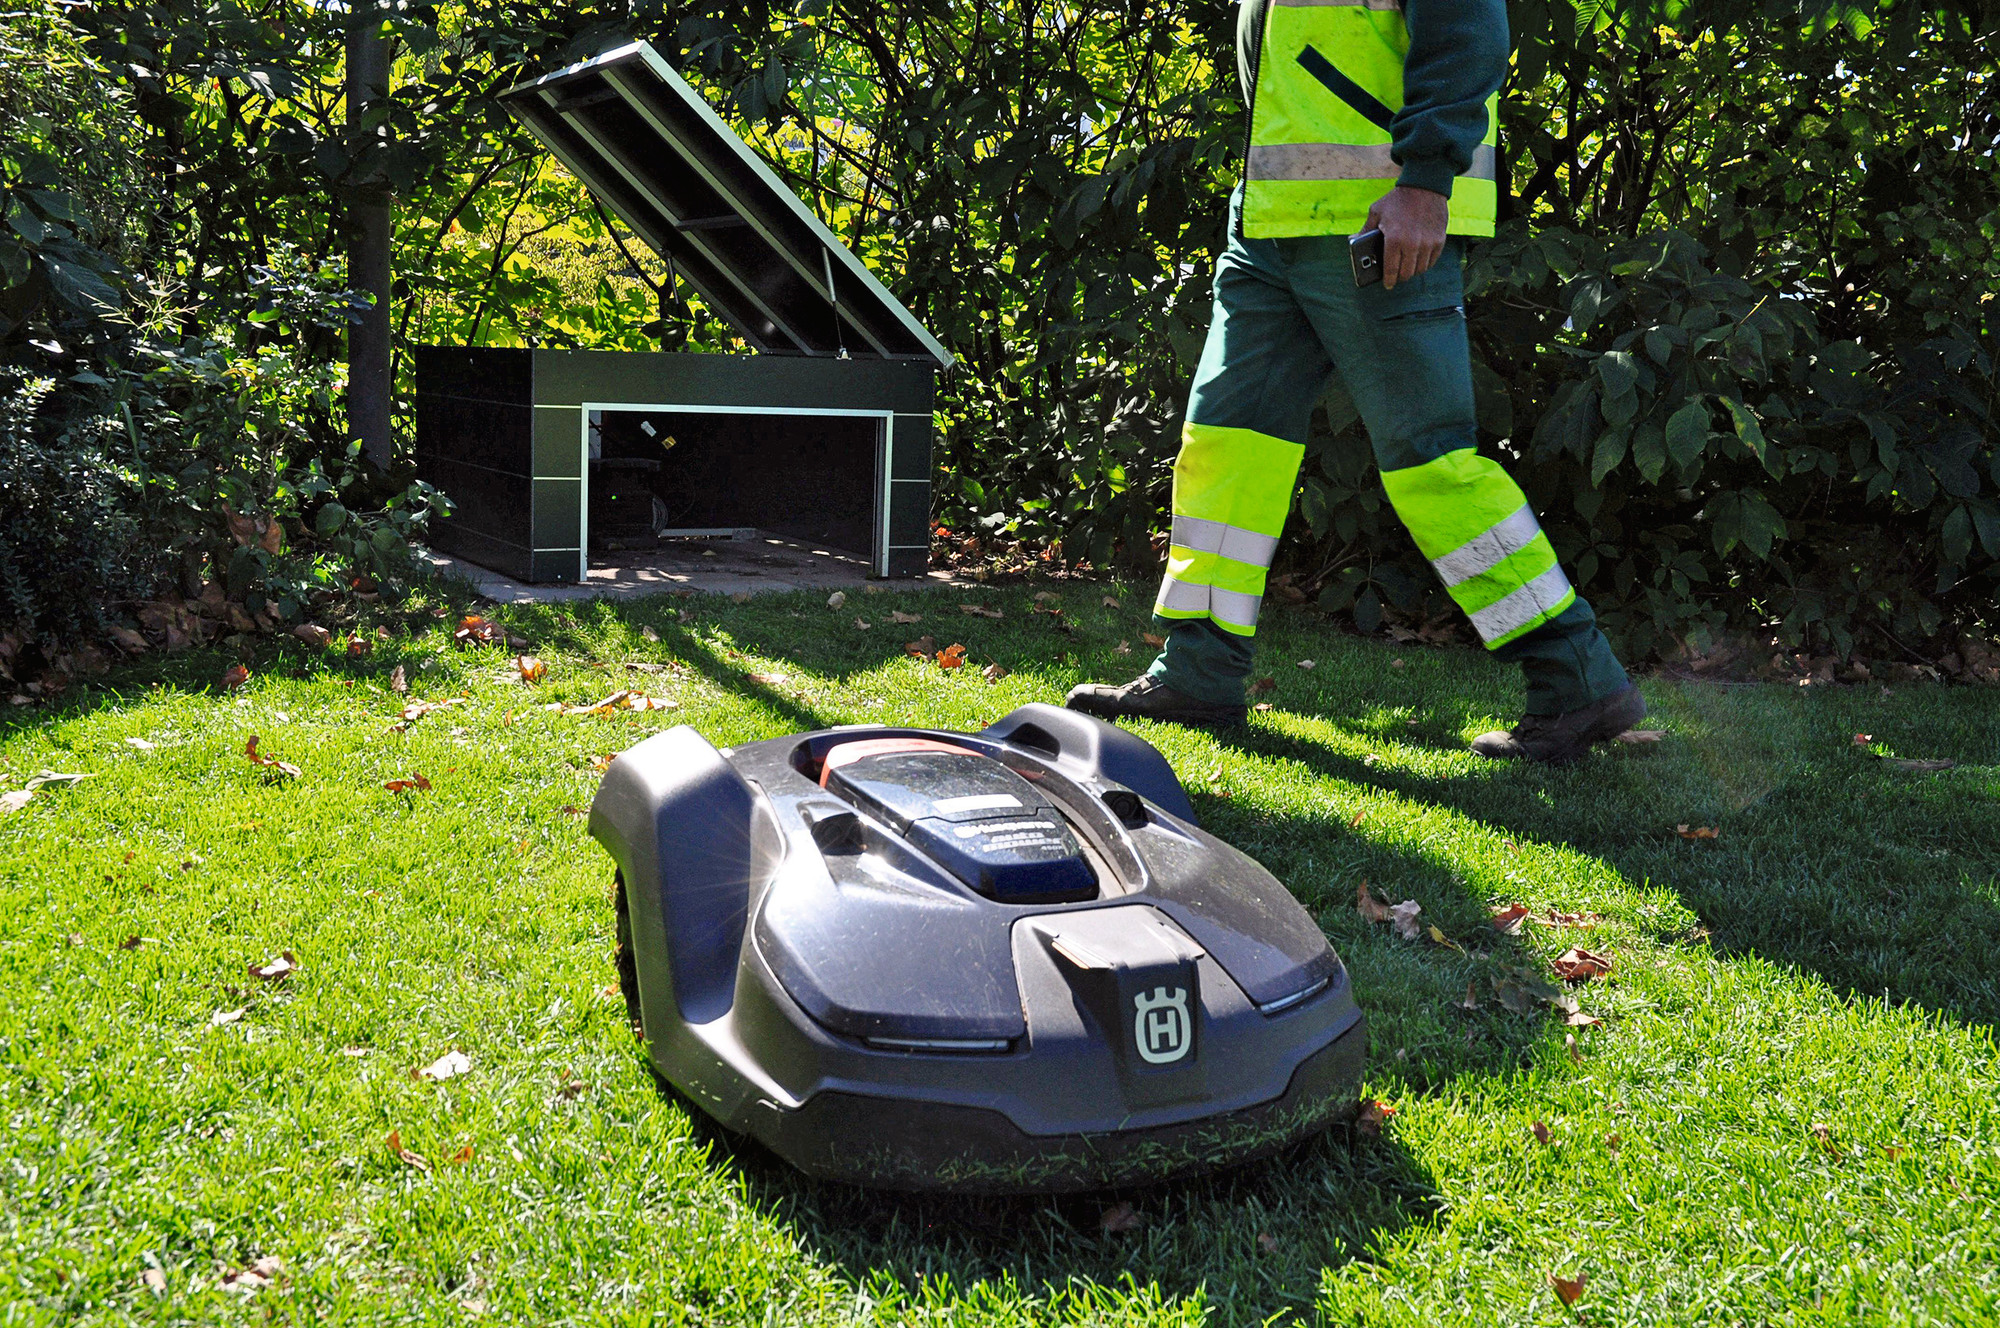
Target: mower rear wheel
[{"x": 628, "y": 967}]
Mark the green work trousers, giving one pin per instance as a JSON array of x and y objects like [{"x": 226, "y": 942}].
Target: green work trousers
[{"x": 1287, "y": 315}]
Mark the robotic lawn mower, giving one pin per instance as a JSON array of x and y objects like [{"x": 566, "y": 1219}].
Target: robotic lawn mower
[{"x": 1001, "y": 962}]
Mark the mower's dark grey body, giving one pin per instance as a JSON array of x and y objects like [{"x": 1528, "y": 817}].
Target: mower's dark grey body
[{"x": 812, "y": 977}]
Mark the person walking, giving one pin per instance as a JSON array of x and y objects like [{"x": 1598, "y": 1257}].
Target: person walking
[{"x": 1364, "y": 115}]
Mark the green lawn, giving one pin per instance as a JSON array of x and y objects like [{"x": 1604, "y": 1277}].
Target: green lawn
[{"x": 1787, "y": 1115}]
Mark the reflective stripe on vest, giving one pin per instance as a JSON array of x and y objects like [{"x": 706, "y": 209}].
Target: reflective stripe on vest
[
  {"x": 1232, "y": 490},
  {"x": 1329, "y": 76},
  {"x": 1474, "y": 524}
]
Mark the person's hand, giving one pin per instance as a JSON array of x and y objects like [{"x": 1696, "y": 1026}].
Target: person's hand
[{"x": 1412, "y": 223}]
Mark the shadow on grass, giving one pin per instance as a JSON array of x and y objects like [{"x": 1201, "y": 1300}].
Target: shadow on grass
[{"x": 1878, "y": 884}]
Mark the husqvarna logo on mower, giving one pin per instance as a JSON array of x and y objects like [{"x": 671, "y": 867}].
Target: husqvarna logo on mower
[{"x": 1160, "y": 1026}]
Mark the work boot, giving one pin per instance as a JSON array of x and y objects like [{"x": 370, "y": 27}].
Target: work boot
[
  {"x": 1149, "y": 698},
  {"x": 1560, "y": 739}
]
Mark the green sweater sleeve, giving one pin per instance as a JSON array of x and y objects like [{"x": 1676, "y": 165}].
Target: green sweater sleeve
[{"x": 1457, "y": 59}]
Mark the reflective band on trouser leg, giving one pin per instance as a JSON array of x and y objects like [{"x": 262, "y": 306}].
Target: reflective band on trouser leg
[
  {"x": 1232, "y": 489},
  {"x": 1474, "y": 524}
]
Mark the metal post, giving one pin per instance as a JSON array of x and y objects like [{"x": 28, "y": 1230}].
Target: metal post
[{"x": 369, "y": 382}]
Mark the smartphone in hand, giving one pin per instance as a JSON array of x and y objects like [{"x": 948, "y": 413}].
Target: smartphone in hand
[{"x": 1365, "y": 252}]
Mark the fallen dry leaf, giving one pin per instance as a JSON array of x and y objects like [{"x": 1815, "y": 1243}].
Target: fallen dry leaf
[
  {"x": 573, "y": 810},
  {"x": 1118, "y": 1218},
  {"x": 359, "y": 648},
  {"x": 282, "y": 769},
  {"x": 1514, "y": 998},
  {"x": 154, "y": 1281},
  {"x": 416, "y": 710},
  {"x": 1614, "y": 1141},
  {"x": 1578, "y": 1019},
  {"x": 416, "y": 783},
  {"x": 1267, "y": 1242},
  {"x": 1154, "y": 640},
  {"x": 1262, "y": 685},
  {"x": 1111, "y": 602},
  {"x": 1640, "y": 737},
  {"x": 313, "y": 635},
  {"x": 132, "y": 942},
  {"x": 530, "y": 668},
  {"x": 1541, "y": 1133},
  {"x": 1122, "y": 648},
  {"x": 980, "y": 611},
  {"x": 994, "y": 672},
  {"x": 898, "y": 616},
  {"x": 1045, "y": 596},
  {"x": 1575, "y": 965},
  {"x": 463, "y": 1155},
  {"x": 1308, "y": 664},
  {"x": 15, "y": 801},
  {"x": 1471, "y": 1001},
  {"x": 234, "y": 676},
  {"x": 448, "y": 1066},
  {"x": 403, "y": 1154},
  {"x": 1863, "y": 739},
  {"x": 648, "y": 634},
  {"x": 1439, "y": 938},
  {"x": 1569, "y": 1045},
  {"x": 1370, "y": 908},
  {"x": 223, "y": 1017},
  {"x": 951, "y": 657},
  {"x": 1508, "y": 918},
  {"x": 861, "y": 623},
  {"x": 1374, "y": 1115},
  {"x": 837, "y": 599},
  {"x": 1697, "y": 832},
  {"x": 1262, "y": 707},
  {"x": 399, "y": 681},
  {"x": 275, "y": 969},
  {"x": 1555, "y": 919},
  {"x": 1569, "y": 1289},
  {"x": 140, "y": 744},
  {"x": 1894, "y": 1152},
  {"x": 1403, "y": 918},
  {"x": 474, "y": 630},
  {"x": 922, "y": 648},
  {"x": 627, "y": 699},
  {"x": 256, "y": 1277}
]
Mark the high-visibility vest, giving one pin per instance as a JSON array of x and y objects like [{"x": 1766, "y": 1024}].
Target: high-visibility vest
[{"x": 1329, "y": 78}]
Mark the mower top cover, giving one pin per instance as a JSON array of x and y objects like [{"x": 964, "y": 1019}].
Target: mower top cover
[{"x": 1005, "y": 961}]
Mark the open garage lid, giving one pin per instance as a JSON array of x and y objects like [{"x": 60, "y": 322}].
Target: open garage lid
[{"x": 651, "y": 150}]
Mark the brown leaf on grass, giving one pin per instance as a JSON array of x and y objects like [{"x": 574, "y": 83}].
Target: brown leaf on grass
[
  {"x": 359, "y": 647},
  {"x": 271, "y": 764},
  {"x": 1261, "y": 686},
  {"x": 1541, "y": 1133},
  {"x": 837, "y": 600},
  {"x": 861, "y": 624},
  {"x": 1578, "y": 1019},
  {"x": 648, "y": 634},
  {"x": 132, "y": 942},
  {"x": 1697, "y": 832},
  {"x": 1827, "y": 1143},
  {"x": 399, "y": 681},
  {"x": 154, "y": 1281},
  {"x": 75, "y": 939},
  {"x": 1894, "y": 1152},
  {"x": 404, "y": 1155},
  {"x": 257, "y": 1276},
  {"x": 1371, "y": 909},
  {"x": 416, "y": 783},
  {"x": 1045, "y": 596},
  {"x": 1262, "y": 707},
  {"x": 530, "y": 668},
  {"x": 448, "y": 1066},
  {"x": 1921, "y": 767},
  {"x": 922, "y": 648},
  {"x": 1471, "y": 1001},
  {"x": 1640, "y": 737},
  {"x": 1614, "y": 1141},
  {"x": 1122, "y": 648},
  {"x": 416, "y": 710},
  {"x": 1403, "y": 919},
  {"x": 898, "y": 616},
  {"x": 1507, "y": 919},
  {"x": 462, "y": 1156},
  {"x": 740, "y": 597},
  {"x": 1439, "y": 938},
  {"x": 1569, "y": 1290},
  {"x": 1569, "y": 1045},
  {"x": 573, "y": 810},
  {"x": 1577, "y": 965},
  {"x": 1267, "y": 1242},
  {"x": 222, "y": 1018},
  {"x": 1515, "y": 998},
  {"x": 313, "y": 635},
  {"x": 601, "y": 761},
  {"x": 474, "y": 630},
  {"x": 1111, "y": 602},
  {"x": 1373, "y": 1116},
  {"x": 994, "y": 672},
  {"x": 234, "y": 676},
  {"x": 1119, "y": 1218},
  {"x": 15, "y": 801},
  {"x": 1863, "y": 739},
  {"x": 980, "y": 611},
  {"x": 129, "y": 641},
  {"x": 1555, "y": 919},
  {"x": 627, "y": 699},
  {"x": 951, "y": 657},
  {"x": 1308, "y": 664},
  {"x": 275, "y": 969},
  {"x": 1154, "y": 640}
]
